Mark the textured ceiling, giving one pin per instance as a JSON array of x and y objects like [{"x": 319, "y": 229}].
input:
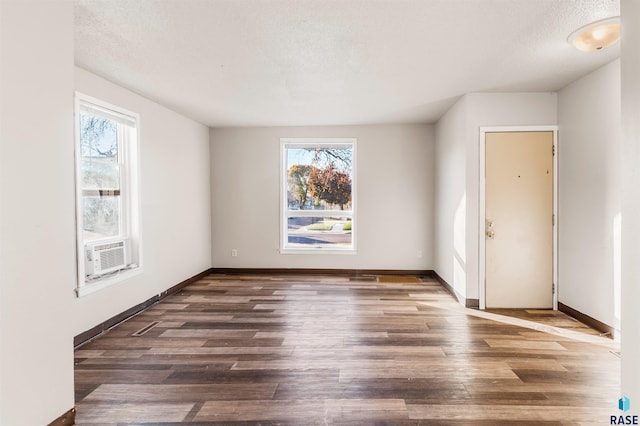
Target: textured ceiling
[{"x": 331, "y": 62}]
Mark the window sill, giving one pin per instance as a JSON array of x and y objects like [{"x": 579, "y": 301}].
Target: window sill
[{"x": 107, "y": 281}]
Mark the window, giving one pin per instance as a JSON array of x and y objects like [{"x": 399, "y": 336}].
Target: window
[
  {"x": 318, "y": 195},
  {"x": 106, "y": 192}
]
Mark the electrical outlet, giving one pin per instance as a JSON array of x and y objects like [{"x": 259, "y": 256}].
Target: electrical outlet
[{"x": 234, "y": 252}]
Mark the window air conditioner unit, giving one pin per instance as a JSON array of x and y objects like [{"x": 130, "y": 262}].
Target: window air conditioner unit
[{"x": 105, "y": 257}]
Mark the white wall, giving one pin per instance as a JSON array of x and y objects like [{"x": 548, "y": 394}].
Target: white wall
[
  {"x": 479, "y": 109},
  {"x": 631, "y": 201},
  {"x": 394, "y": 197},
  {"x": 36, "y": 211},
  {"x": 450, "y": 197},
  {"x": 589, "y": 196},
  {"x": 175, "y": 203}
]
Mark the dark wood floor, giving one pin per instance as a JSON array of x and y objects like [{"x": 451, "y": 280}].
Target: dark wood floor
[{"x": 337, "y": 350}]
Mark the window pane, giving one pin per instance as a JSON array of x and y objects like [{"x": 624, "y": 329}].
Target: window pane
[
  {"x": 98, "y": 153},
  {"x": 100, "y": 217},
  {"x": 318, "y": 231},
  {"x": 99, "y": 171},
  {"x": 319, "y": 178}
]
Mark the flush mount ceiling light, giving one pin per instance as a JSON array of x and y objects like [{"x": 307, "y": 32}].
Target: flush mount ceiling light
[{"x": 597, "y": 35}]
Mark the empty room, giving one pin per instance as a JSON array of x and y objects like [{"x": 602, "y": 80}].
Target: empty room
[{"x": 319, "y": 212}]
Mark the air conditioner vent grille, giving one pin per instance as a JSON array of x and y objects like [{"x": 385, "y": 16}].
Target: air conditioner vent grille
[
  {"x": 105, "y": 257},
  {"x": 111, "y": 258}
]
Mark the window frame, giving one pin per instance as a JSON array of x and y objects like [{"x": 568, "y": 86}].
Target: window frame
[
  {"x": 128, "y": 134},
  {"x": 285, "y": 212}
]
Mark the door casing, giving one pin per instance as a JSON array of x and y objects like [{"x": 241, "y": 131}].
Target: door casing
[{"x": 481, "y": 208}]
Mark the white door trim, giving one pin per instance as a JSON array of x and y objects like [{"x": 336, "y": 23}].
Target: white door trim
[{"x": 481, "y": 208}]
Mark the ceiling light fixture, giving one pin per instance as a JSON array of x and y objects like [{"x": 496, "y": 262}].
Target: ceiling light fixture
[{"x": 597, "y": 35}]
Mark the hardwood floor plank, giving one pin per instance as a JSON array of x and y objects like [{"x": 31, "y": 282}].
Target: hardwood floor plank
[
  {"x": 90, "y": 413},
  {"x": 123, "y": 393},
  {"x": 536, "y": 364},
  {"x": 425, "y": 372},
  {"x": 299, "y": 411},
  {"x": 511, "y": 413},
  {"x": 108, "y": 342},
  {"x": 263, "y": 342},
  {"x": 567, "y": 389},
  {"x": 370, "y": 352},
  {"x": 306, "y": 378},
  {"x": 208, "y": 333},
  {"x": 304, "y": 411},
  {"x": 236, "y": 350},
  {"x": 525, "y": 344},
  {"x": 409, "y": 390},
  {"x": 118, "y": 376}
]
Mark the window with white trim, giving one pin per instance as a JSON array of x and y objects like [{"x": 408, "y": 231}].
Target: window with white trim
[
  {"x": 107, "y": 208},
  {"x": 318, "y": 195}
]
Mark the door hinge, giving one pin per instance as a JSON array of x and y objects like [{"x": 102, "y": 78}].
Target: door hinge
[
  {"x": 553, "y": 220},
  {"x": 553, "y": 150},
  {"x": 553, "y": 288}
]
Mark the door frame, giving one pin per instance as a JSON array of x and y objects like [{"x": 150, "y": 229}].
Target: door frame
[{"x": 481, "y": 209}]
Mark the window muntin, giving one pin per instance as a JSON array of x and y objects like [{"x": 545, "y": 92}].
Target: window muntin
[
  {"x": 318, "y": 195},
  {"x": 106, "y": 181}
]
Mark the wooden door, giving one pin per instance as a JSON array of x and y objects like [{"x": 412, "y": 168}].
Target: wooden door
[{"x": 519, "y": 220}]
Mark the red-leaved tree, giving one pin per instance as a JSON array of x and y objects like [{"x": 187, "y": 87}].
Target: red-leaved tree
[{"x": 330, "y": 185}]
